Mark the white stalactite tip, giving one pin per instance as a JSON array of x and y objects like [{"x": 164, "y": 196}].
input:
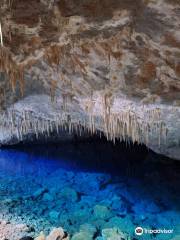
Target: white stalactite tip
[{"x": 1, "y": 36}]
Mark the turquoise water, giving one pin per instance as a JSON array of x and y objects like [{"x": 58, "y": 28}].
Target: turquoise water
[{"x": 99, "y": 184}]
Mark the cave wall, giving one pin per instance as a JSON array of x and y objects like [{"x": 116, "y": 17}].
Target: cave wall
[{"x": 105, "y": 66}]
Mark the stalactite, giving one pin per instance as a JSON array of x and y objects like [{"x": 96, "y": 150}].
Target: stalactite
[
  {"x": 125, "y": 125},
  {"x": 1, "y": 36}
]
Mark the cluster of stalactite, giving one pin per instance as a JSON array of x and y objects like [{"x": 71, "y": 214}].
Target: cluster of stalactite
[
  {"x": 128, "y": 126},
  {"x": 125, "y": 126},
  {"x": 27, "y": 122}
]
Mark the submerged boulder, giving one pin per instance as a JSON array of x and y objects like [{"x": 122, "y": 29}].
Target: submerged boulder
[
  {"x": 39, "y": 193},
  {"x": 54, "y": 215},
  {"x": 90, "y": 229},
  {"x": 82, "y": 236},
  {"x": 121, "y": 223},
  {"x": 113, "y": 234},
  {"x": 56, "y": 234},
  {"x": 69, "y": 194},
  {"x": 101, "y": 212},
  {"x": 41, "y": 237},
  {"x": 48, "y": 197}
]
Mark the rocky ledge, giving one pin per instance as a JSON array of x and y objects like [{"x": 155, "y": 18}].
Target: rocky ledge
[{"x": 109, "y": 67}]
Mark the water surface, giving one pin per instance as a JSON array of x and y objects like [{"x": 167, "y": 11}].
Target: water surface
[{"x": 101, "y": 184}]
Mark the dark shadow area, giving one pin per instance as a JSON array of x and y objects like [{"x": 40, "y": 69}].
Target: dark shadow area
[{"x": 99, "y": 155}]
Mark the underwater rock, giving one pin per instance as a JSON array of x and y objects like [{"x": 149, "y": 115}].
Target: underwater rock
[
  {"x": 113, "y": 234},
  {"x": 41, "y": 237},
  {"x": 88, "y": 200},
  {"x": 102, "y": 212},
  {"x": 54, "y": 215},
  {"x": 47, "y": 197},
  {"x": 13, "y": 231},
  {"x": 7, "y": 201},
  {"x": 56, "y": 234},
  {"x": 39, "y": 192},
  {"x": 99, "y": 223},
  {"x": 88, "y": 228},
  {"x": 79, "y": 216},
  {"x": 53, "y": 191},
  {"x": 92, "y": 180},
  {"x": 69, "y": 194},
  {"x": 176, "y": 237},
  {"x": 64, "y": 218},
  {"x": 121, "y": 223},
  {"x": 118, "y": 205},
  {"x": 82, "y": 236}
]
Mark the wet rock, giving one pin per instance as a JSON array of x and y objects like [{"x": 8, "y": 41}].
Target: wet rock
[
  {"x": 80, "y": 216},
  {"x": 176, "y": 237},
  {"x": 41, "y": 237},
  {"x": 102, "y": 212},
  {"x": 119, "y": 205},
  {"x": 69, "y": 194},
  {"x": 88, "y": 183},
  {"x": 53, "y": 191},
  {"x": 88, "y": 228},
  {"x": 64, "y": 218},
  {"x": 54, "y": 215},
  {"x": 30, "y": 229},
  {"x": 112, "y": 234},
  {"x": 39, "y": 192},
  {"x": 99, "y": 223},
  {"x": 121, "y": 223},
  {"x": 165, "y": 236},
  {"x": 56, "y": 234},
  {"x": 88, "y": 200},
  {"x": 7, "y": 201},
  {"x": 82, "y": 236},
  {"x": 47, "y": 197}
]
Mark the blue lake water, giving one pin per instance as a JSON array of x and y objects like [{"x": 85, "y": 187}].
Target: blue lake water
[{"x": 98, "y": 184}]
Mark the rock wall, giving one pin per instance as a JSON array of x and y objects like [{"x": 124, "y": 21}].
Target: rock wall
[{"x": 92, "y": 66}]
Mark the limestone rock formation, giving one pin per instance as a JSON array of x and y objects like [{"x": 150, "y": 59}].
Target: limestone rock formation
[
  {"x": 110, "y": 67},
  {"x": 12, "y": 231}
]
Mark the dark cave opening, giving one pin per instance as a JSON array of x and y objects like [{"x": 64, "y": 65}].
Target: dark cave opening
[{"x": 98, "y": 154}]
